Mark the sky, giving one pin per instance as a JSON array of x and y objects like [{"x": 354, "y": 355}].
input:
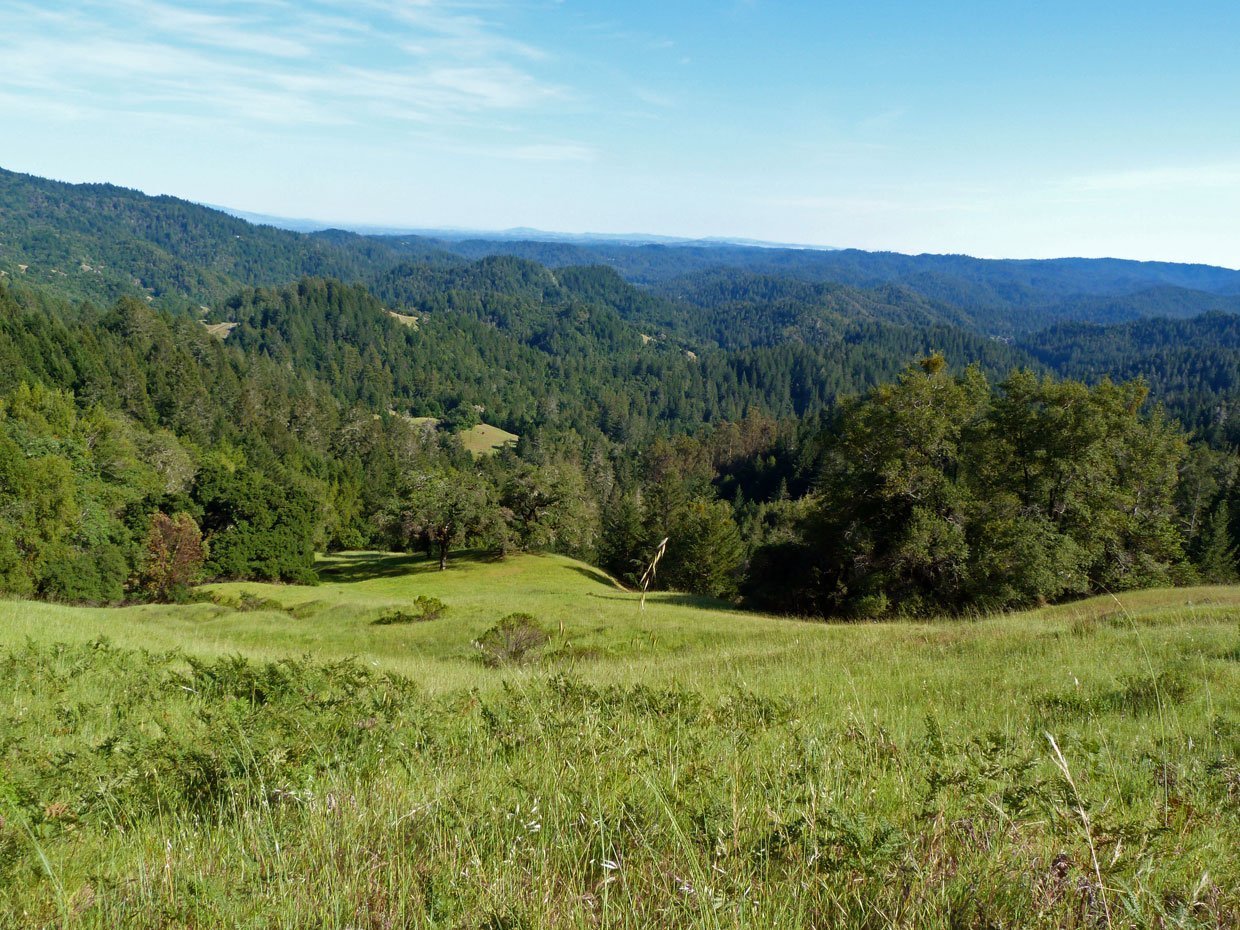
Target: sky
[{"x": 998, "y": 129}]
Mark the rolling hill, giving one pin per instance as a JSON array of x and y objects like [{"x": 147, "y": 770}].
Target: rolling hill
[
  {"x": 100, "y": 241},
  {"x": 688, "y": 764}
]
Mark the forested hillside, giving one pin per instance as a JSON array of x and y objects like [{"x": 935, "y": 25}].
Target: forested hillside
[
  {"x": 202, "y": 398},
  {"x": 99, "y": 241},
  {"x": 1001, "y": 297},
  {"x": 1192, "y": 366},
  {"x": 108, "y": 418},
  {"x": 578, "y": 348}
]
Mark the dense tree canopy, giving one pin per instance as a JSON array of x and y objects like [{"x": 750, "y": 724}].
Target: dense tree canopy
[{"x": 944, "y": 493}]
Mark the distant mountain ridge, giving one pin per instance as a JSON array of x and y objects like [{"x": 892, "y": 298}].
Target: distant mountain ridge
[
  {"x": 517, "y": 233},
  {"x": 958, "y": 279},
  {"x": 100, "y": 241}
]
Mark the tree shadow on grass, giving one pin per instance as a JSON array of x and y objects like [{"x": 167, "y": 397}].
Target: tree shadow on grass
[
  {"x": 347, "y": 567},
  {"x": 700, "y": 602},
  {"x": 597, "y": 575},
  {"x": 361, "y": 566},
  {"x": 676, "y": 599}
]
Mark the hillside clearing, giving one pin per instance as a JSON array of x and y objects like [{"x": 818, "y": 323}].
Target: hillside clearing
[
  {"x": 404, "y": 319},
  {"x": 482, "y": 439},
  {"x": 220, "y": 330}
]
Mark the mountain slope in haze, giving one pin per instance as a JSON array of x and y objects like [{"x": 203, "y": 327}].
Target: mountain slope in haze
[
  {"x": 1015, "y": 281},
  {"x": 1162, "y": 301},
  {"x": 725, "y": 309},
  {"x": 1191, "y": 365},
  {"x": 1001, "y": 296},
  {"x": 733, "y": 298},
  {"x": 100, "y": 241},
  {"x": 738, "y": 308}
]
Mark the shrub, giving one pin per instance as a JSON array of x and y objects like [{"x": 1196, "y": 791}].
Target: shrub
[
  {"x": 174, "y": 557},
  {"x": 423, "y": 609},
  {"x": 513, "y": 641},
  {"x": 246, "y": 601},
  {"x": 460, "y": 418}
]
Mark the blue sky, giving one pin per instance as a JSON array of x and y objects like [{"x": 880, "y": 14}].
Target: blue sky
[{"x": 995, "y": 128}]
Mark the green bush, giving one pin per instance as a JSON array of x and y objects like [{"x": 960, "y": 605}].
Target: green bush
[
  {"x": 423, "y": 609},
  {"x": 246, "y": 601},
  {"x": 515, "y": 640}
]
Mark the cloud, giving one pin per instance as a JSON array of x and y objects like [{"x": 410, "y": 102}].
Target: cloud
[
  {"x": 311, "y": 62},
  {"x": 236, "y": 33}
]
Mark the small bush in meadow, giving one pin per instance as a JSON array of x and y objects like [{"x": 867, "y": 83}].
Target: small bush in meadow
[
  {"x": 245, "y": 602},
  {"x": 421, "y": 610},
  {"x": 515, "y": 640}
]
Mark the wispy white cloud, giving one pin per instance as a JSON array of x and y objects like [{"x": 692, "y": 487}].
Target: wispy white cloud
[
  {"x": 444, "y": 28},
  {"x": 312, "y": 62},
  {"x": 237, "y": 33}
]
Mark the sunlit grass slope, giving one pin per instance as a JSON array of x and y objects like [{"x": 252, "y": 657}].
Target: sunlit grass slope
[
  {"x": 595, "y": 623},
  {"x": 480, "y": 439},
  {"x": 599, "y": 631},
  {"x": 685, "y": 766}
]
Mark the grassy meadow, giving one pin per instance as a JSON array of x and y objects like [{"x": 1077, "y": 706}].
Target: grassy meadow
[
  {"x": 480, "y": 439},
  {"x": 272, "y": 757}
]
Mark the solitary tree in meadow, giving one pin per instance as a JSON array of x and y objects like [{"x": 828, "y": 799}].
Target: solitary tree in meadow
[{"x": 444, "y": 509}]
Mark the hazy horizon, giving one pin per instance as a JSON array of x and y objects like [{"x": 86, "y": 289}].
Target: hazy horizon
[{"x": 308, "y": 224}]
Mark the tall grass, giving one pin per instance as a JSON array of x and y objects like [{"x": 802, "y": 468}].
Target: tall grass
[{"x": 697, "y": 769}]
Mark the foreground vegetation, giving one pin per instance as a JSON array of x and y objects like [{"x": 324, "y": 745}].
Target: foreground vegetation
[{"x": 684, "y": 766}]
